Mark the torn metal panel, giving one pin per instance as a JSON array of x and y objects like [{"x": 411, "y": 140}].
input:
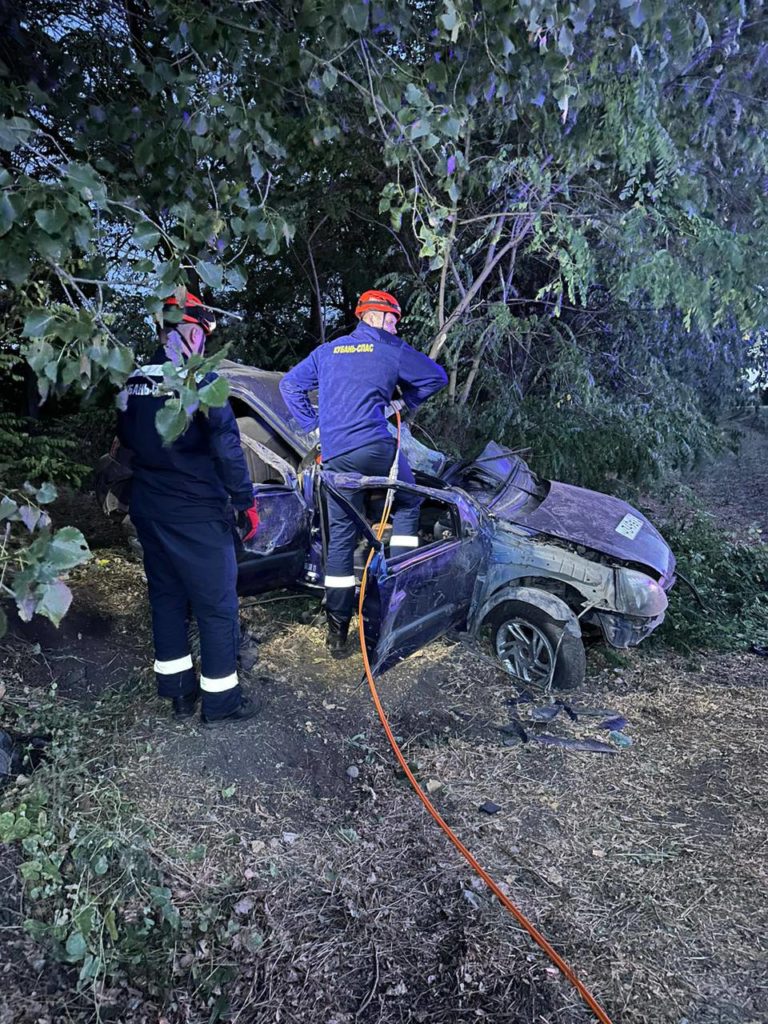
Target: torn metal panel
[{"x": 592, "y": 519}]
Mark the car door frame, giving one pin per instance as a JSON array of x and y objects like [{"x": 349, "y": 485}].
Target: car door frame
[
  {"x": 259, "y": 570},
  {"x": 386, "y": 576}
]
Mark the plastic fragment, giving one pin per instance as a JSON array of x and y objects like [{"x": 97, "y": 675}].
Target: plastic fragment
[
  {"x": 617, "y": 723},
  {"x": 760, "y": 649},
  {"x": 544, "y": 714},
  {"x": 591, "y": 746},
  {"x": 573, "y": 715},
  {"x": 595, "y": 712},
  {"x": 524, "y": 697},
  {"x": 515, "y": 731},
  {"x": 489, "y": 807}
]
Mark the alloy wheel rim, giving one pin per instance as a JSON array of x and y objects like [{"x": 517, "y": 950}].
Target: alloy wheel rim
[{"x": 525, "y": 652}]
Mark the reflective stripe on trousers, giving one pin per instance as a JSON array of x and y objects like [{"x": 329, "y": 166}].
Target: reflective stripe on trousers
[{"x": 373, "y": 459}]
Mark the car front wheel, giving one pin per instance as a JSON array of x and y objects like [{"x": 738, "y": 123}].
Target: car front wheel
[{"x": 535, "y": 649}]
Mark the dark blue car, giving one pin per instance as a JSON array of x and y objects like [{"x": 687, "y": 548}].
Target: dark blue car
[{"x": 541, "y": 564}]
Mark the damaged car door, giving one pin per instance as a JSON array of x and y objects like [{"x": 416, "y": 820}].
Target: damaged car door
[{"x": 418, "y": 596}]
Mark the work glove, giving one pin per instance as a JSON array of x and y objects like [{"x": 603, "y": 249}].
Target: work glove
[
  {"x": 248, "y": 522},
  {"x": 396, "y": 405}
]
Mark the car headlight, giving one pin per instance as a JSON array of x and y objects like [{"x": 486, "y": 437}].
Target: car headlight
[{"x": 638, "y": 594}]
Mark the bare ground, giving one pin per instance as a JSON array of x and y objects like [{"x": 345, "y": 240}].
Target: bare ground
[{"x": 645, "y": 868}]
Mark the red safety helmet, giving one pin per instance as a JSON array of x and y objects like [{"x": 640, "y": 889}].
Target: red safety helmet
[
  {"x": 195, "y": 312},
  {"x": 381, "y": 301}
]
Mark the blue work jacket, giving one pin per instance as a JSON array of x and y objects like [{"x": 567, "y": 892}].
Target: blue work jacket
[
  {"x": 355, "y": 377},
  {"x": 192, "y": 479}
]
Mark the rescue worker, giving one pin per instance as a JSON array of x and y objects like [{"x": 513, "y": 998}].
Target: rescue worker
[
  {"x": 181, "y": 504},
  {"x": 356, "y": 377}
]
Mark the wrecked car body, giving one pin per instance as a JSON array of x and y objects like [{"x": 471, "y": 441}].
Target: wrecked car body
[{"x": 543, "y": 565}]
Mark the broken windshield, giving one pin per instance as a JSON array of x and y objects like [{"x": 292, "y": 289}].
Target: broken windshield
[{"x": 500, "y": 480}]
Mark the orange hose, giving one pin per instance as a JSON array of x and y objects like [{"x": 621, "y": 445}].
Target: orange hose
[{"x": 505, "y": 901}]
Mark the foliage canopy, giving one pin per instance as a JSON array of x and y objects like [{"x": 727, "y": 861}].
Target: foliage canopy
[{"x": 569, "y": 196}]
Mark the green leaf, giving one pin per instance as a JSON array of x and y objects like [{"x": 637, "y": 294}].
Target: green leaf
[
  {"x": 13, "y": 131},
  {"x": 215, "y": 393},
  {"x": 145, "y": 235},
  {"x": 51, "y": 221},
  {"x": 38, "y": 324},
  {"x": 330, "y": 77},
  {"x": 67, "y": 548},
  {"x": 110, "y": 924},
  {"x": 413, "y": 94},
  {"x": 119, "y": 359},
  {"x": 100, "y": 865},
  {"x": 211, "y": 274},
  {"x": 55, "y": 599},
  {"x": 355, "y": 16},
  {"x": 8, "y": 508},
  {"x": 7, "y": 214},
  {"x": 87, "y": 182},
  {"x": 76, "y": 946},
  {"x": 38, "y": 355},
  {"x": 450, "y": 18},
  {"x": 171, "y": 421},
  {"x": 565, "y": 41},
  {"x": 236, "y": 278},
  {"x": 46, "y": 493}
]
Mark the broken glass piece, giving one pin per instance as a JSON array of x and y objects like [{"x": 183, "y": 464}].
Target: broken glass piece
[{"x": 620, "y": 739}]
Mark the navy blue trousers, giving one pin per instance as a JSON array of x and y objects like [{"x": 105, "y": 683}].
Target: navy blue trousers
[
  {"x": 191, "y": 569},
  {"x": 373, "y": 459}
]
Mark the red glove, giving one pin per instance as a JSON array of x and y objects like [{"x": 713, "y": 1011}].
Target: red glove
[{"x": 248, "y": 522}]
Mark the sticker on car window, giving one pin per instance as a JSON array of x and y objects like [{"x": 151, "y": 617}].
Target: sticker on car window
[{"x": 629, "y": 526}]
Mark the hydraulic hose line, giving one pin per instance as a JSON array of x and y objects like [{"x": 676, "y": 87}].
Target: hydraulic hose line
[{"x": 505, "y": 901}]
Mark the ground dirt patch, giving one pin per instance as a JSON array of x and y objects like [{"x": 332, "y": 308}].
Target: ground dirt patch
[{"x": 645, "y": 868}]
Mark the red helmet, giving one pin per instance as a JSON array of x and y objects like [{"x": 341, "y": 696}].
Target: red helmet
[
  {"x": 195, "y": 312},
  {"x": 381, "y": 301}
]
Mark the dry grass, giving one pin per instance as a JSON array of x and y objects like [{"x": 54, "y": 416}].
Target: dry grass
[{"x": 646, "y": 869}]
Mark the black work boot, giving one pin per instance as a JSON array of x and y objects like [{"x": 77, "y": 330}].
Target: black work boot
[
  {"x": 336, "y": 640},
  {"x": 184, "y": 707},
  {"x": 249, "y": 707}
]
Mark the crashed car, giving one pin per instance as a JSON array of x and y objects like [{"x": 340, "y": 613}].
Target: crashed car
[{"x": 542, "y": 565}]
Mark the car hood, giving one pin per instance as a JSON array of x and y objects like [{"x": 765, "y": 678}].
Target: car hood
[{"x": 600, "y": 522}]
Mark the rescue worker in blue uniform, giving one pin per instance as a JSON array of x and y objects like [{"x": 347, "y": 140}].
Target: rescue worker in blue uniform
[
  {"x": 181, "y": 503},
  {"x": 356, "y": 377}
]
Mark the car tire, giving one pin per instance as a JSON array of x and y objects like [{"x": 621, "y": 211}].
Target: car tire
[{"x": 536, "y": 639}]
